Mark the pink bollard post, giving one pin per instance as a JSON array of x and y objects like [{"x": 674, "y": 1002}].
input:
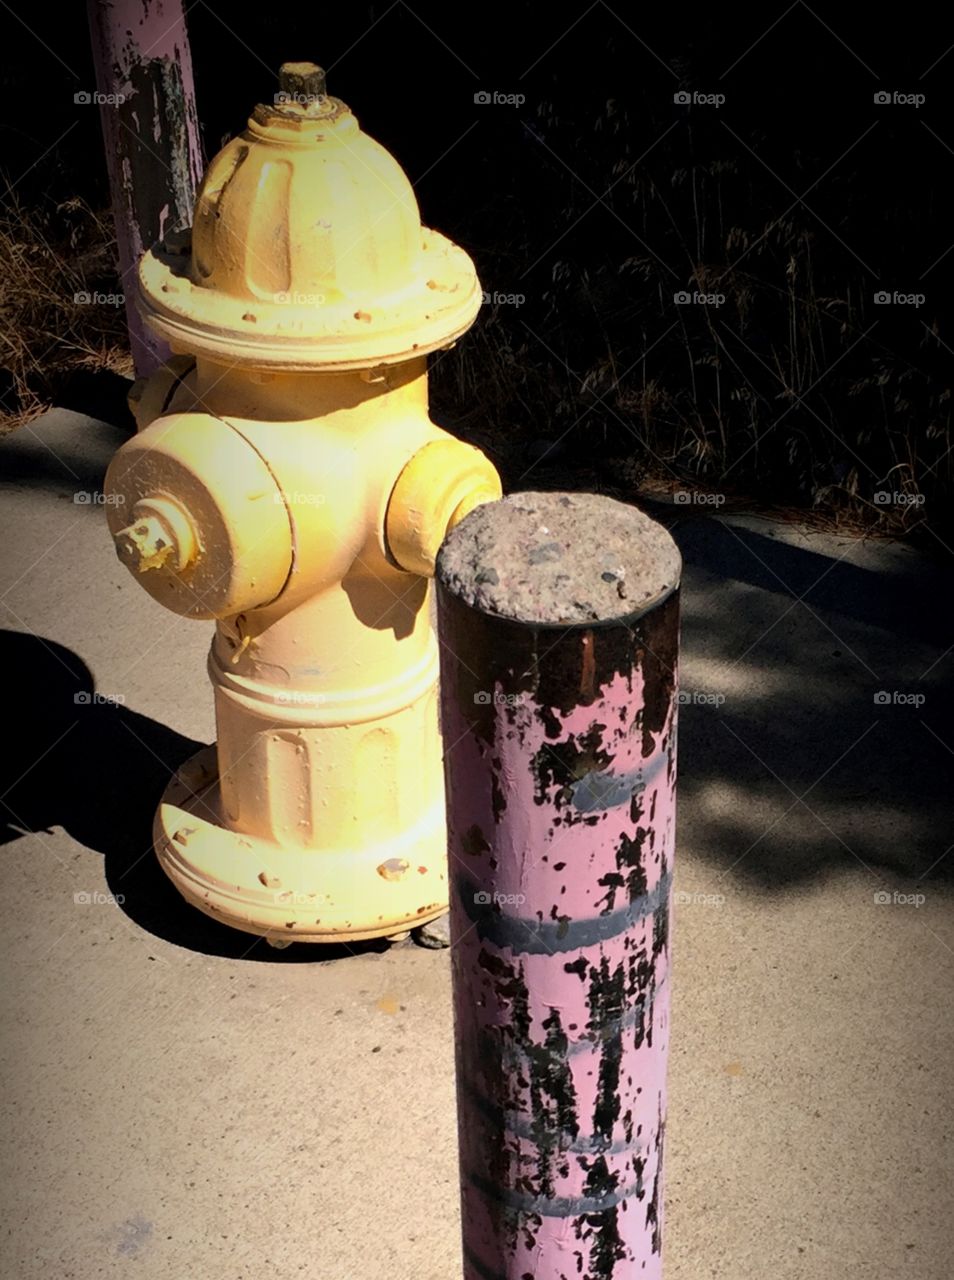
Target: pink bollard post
[
  {"x": 558, "y": 618},
  {"x": 153, "y": 150}
]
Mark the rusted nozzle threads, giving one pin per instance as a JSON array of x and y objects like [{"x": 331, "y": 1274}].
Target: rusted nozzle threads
[{"x": 558, "y": 618}]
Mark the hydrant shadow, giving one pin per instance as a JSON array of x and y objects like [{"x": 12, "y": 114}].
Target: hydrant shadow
[{"x": 92, "y": 766}]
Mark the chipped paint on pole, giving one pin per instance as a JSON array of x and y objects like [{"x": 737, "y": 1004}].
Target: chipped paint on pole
[
  {"x": 558, "y": 619},
  {"x": 153, "y": 150}
]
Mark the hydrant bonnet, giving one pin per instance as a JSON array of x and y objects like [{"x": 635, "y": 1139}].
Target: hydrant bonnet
[{"x": 291, "y": 263}]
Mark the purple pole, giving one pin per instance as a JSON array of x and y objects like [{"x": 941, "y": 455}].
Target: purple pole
[
  {"x": 558, "y": 618},
  {"x": 153, "y": 152}
]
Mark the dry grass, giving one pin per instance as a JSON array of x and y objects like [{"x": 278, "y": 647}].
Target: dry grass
[
  {"x": 786, "y": 392},
  {"x": 49, "y": 259}
]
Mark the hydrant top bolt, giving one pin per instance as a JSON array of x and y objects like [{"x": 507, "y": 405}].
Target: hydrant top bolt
[
  {"x": 302, "y": 81},
  {"x": 302, "y": 98}
]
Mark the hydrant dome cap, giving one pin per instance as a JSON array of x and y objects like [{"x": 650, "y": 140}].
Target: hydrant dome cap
[{"x": 307, "y": 249}]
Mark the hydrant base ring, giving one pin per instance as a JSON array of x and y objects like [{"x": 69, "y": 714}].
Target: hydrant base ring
[{"x": 299, "y": 895}]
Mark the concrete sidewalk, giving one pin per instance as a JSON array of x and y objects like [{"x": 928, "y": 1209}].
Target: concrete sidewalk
[{"x": 180, "y": 1102}]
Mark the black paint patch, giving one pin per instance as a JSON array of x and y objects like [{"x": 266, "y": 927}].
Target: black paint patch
[
  {"x": 659, "y": 643},
  {"x": 552, "y": 725},
  {"x": 607, "y": 1246},
  {"x": 601, "y": 1230},
  {"x": 506, "y": 1124},
  {"x": 654, "y": 1207},
  {"x": 629, "y": 859},
  {"x": 558, "y": 766},
  {"x": 498, "y": 800},
  {"x": 606, "y": 1008},
  {"x": 661, "y": 918},
  {"x": 611, "y": 882},
  {"x": 474, "y": 842},
  {"x": 551, "y": 1099},
  {"x": 553, "y": 1105}
]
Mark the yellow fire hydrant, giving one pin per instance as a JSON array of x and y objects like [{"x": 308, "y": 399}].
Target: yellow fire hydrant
[{"x": 287, "y": 481}]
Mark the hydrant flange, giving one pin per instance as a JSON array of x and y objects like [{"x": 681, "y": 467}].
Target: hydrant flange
[{"x": 253, "y": 885}]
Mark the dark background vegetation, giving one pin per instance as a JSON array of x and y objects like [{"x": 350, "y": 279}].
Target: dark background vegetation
[{"x": 597, "y": 200}]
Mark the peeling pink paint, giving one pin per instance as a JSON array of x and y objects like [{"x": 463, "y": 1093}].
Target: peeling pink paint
[
  {"x": 561, "y": 836},
  {"x": 153, "y": 149}
]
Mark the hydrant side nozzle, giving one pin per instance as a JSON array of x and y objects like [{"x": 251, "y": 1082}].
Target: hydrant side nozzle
[
  {"x": 196, "y": 515},
  {"x": 440, "y": 484}
]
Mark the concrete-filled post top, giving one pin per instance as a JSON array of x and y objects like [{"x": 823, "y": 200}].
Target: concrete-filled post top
[{"x": 559, "y": 559}]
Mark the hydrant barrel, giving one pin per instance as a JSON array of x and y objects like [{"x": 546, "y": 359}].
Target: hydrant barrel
[{"x": 558, "y": 620}]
